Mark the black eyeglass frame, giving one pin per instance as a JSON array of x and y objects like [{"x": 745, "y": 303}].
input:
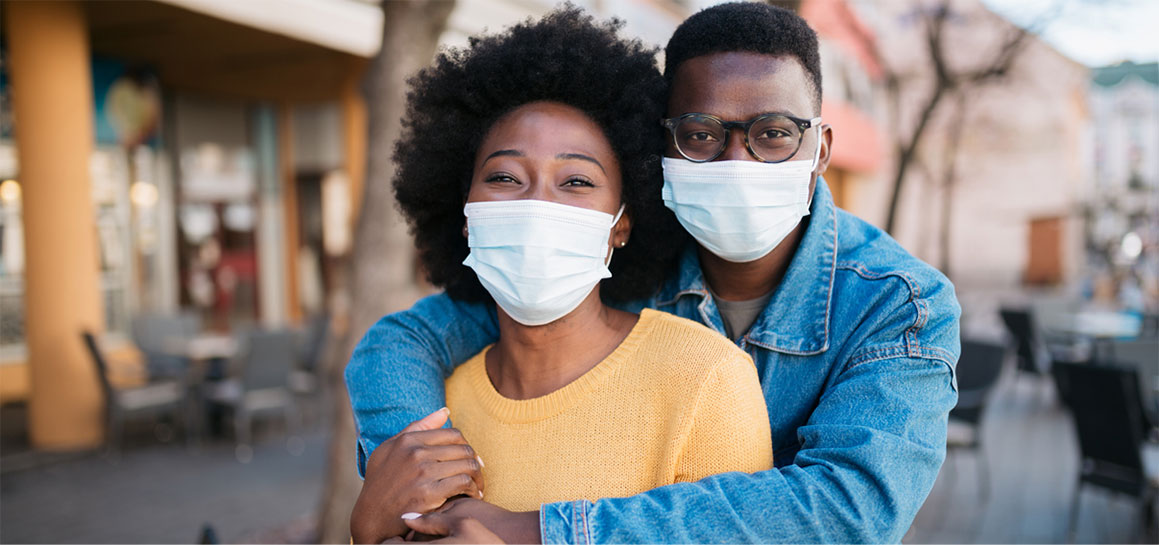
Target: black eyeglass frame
[{"x": 802, "y": 124}]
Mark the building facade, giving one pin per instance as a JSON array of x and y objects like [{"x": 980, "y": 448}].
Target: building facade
[
  {"x": 150, "y": 165},
  {"x": 1122, "y": 199}
]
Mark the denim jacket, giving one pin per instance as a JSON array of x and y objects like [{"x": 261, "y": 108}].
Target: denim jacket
[{"x": 855, "y": 353}]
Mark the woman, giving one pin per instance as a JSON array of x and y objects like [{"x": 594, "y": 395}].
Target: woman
[{"x": 529, "y": 164}]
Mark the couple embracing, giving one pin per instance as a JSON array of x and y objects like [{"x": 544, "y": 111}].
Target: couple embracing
[{"x": 656, "y": 325}]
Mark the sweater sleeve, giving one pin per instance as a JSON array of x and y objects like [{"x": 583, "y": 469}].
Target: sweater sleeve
[{"x": 730, "y": 424}]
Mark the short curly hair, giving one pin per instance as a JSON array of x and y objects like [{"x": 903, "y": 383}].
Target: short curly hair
[
  {"x": 746, "y": 26},
  {"x": 565, "y": 57}
]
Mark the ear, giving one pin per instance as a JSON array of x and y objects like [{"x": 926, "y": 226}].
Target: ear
[
  {"x": 621, "y": 231},
  {"x": 826, "y": 133}
]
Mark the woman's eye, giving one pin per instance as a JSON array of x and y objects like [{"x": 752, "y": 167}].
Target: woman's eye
[
  {"x": 578, "y": 182},
  {"x": 501, "y": 178}
]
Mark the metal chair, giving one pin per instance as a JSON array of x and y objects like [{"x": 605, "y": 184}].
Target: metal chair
[
  {"x": 978, "y": 371},
  {"x": 1143, "y": 355},
  {"x": 1029, "y": 350},
  {"x": 151, "y": 332},
  {"x": 1104, "y": 401},
  {"x": 259, "y": 385},
  {"x": 304, "y": 377},
  {"x": 160, "y": 397},
  {"x": 1149, "y": 327}
]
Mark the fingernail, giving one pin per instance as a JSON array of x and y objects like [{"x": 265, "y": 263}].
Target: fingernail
[
  {"x": 480, "y": 494},
  {"x": 411, "y": 516},
  {"x": 446, "y": 410},
  {"x": 480, "y": 460}
]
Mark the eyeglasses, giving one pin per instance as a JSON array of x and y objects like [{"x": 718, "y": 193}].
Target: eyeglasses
[{"x": 770, "y": 138}]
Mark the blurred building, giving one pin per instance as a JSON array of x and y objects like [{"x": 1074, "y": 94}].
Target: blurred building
[
  {"x": 1122, "y": 201},
  {"x": 162, "y": 155},
  {"x": 1012, "y": 216},
  {"x": 204, "y": 156},
  {"x": 849, "y": 73}
]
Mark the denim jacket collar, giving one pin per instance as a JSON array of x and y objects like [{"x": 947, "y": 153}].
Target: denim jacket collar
[{"x": 796, "y": 321}]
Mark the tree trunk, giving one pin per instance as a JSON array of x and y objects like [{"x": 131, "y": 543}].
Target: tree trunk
[
  {"x": 381, "y": 272},
  {"x": 908, "y": 151},
  {"x": 950, "y": 178}
]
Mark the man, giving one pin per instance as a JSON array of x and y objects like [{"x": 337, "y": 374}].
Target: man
[{"x": 854, "y": 340}]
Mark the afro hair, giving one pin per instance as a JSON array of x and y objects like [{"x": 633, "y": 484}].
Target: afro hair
[
  {"x": 746, "y": 26},
  {"x": 565, "y": 57}
]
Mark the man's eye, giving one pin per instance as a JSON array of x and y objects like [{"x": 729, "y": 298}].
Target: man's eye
[
  {"x": 700, "y": 136},
  {"x": 772, "y": 134}
]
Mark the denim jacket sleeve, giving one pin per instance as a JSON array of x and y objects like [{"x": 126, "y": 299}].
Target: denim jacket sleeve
[
  {"x": 869, "y": 452},
  {"x": 396, "y": 373}
]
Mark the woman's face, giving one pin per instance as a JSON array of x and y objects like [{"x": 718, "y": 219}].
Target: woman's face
[{"x": 547, "y": 151}]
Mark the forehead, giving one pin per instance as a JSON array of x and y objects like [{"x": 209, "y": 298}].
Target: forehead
[
  {"x": 546, "y": 128},
  {"x": 740, "y": 85}
]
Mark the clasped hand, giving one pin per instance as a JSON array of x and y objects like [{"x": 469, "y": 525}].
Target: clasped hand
[{"x": 416, "y": 471}]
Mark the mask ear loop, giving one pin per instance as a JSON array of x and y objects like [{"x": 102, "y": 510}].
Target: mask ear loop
[
  {"x": 816, "y": 160},
  {"x": 612, "y": 247}
]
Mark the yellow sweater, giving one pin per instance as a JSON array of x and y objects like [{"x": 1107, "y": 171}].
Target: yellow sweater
[{"x": 674, "y": 402}]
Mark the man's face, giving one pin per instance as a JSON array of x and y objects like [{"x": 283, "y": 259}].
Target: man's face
[{"x": 738, "y": 86}]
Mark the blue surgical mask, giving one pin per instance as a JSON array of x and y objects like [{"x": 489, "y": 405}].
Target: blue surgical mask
[
  {"x": 739, "y": 210},
  {"x": 539, "y": 260}
]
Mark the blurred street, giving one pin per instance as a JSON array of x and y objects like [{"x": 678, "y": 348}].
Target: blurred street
[
  {"x": 163, "y": 492},
  {"x": 1032, "y": 451}
]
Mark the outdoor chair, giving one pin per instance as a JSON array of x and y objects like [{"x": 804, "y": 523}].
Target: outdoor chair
[
  {"x": 978, "y": 371},
  {"x": 1149, "y": 327},
  {"x": 1030, "y": 353},
  {"x": 1143, "y": 355},
  {"x": 152, "y": 332},
  {"x": 1029, "y": 350},
  {"x": 152, "y": 399},
  {"x": 259, "y": 384},
  {"x": 304, "y": 377},
  {"x": 1104, "y": 401}
]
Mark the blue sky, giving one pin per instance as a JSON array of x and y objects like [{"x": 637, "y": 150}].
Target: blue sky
[{"x": 1093, "y": 32}]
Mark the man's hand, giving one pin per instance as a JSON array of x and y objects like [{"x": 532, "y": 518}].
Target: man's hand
[
  {"x": 464, "y": 520},
  {"x": 467, "y": 520},
  {"x": 414, "y": 471}
]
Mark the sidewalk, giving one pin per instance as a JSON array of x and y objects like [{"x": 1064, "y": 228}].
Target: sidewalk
[
  {"x": 1033, "y": 456},
  {"x": 164, "y": 492}
]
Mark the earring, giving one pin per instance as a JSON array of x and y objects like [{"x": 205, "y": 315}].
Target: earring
[
  {"x": 623, "y": 243},
  {"x": 464, "y": 230}
]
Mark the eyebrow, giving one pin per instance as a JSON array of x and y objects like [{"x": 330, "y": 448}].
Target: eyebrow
[
  {"x": 504, "y": 153},
  {"x": 517, "y": 153},
  {"x": 581, "y": 157}
]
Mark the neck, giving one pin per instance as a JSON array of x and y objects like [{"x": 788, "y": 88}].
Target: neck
[
  {"x": 745, "y": 281},
  {"x": 533, "y": 361}
]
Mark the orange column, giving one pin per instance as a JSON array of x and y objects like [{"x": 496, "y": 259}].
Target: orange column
[
  {"x": 354, "y": 127},
  {"x": 53, "y": 108}
]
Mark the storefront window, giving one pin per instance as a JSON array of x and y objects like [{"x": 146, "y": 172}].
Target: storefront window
[{"x": 218, "y": 219}]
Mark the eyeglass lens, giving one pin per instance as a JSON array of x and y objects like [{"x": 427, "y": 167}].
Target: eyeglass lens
[{"x": 772, "y": 138}]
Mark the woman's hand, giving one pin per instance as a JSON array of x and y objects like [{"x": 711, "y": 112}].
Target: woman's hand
[{"x": 416, "y": 471}]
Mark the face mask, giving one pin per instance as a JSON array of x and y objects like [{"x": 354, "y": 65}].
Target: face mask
[
  {"x": 539, "y": 260},
  {"x": 738, "y": 210}
]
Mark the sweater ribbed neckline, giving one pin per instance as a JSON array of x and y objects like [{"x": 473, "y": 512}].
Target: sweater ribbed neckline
[{"x": 523, "y": 411}]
